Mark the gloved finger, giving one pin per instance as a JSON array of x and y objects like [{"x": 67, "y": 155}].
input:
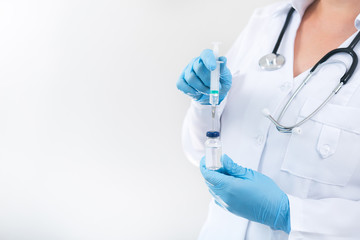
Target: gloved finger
[
  {"x": 223, "y": 66},
  {"x": 203, "y": 161},
  {"x": 208, "y": 58},
  {"x": 212, "y": 178},
  {"x": 232, "y": 169},
  {"x": 193, "y": 81},
  {"x": 225, "y": 76},
  {"x": 218, "y": 200},
  {"x": 202, "y": 72},
  {"x": 217, "y": 203},
  {"x": 183, "y": 86},
  {"x": 204, "y": 99}
]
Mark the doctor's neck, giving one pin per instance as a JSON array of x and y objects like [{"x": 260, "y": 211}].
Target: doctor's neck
[{"x": 337, "y": 10}]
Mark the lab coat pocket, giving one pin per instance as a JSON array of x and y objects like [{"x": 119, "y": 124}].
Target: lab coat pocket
[{"x": 328, "y": 150}]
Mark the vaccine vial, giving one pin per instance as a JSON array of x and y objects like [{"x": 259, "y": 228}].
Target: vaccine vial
[{"x": 213, "y": 150}]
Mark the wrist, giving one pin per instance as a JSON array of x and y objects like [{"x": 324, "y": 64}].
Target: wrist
[{"x": 282, "y": 219}]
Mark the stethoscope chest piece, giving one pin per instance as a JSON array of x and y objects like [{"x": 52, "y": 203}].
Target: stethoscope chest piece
[{"x": 271, "y": 62}]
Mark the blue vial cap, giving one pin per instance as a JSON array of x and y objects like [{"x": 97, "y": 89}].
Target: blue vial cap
[{"x": 213, "y": 134}]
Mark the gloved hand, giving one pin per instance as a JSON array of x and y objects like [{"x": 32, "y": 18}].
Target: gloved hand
[
  {"x": 248, "y": 194},
  {"x": 195, "y": 79}
]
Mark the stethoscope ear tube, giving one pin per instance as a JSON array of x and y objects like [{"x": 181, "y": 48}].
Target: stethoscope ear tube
[
  {"x": 347, "y": 75},
  {"x": 344, "y": 79},
  {"x": 349, "y": 50}
]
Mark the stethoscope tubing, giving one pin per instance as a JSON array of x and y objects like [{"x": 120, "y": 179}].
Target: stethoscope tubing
[
  {"x": 348, "y": 50},
  {"x": 343, "y": 80},
  {"x": 283, "y": 30}
]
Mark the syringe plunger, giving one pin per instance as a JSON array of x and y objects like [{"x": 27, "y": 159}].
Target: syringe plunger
[{"x": 216, "y": 49}]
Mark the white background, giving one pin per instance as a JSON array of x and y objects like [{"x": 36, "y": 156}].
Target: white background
[{"x": 90, "y": 117}]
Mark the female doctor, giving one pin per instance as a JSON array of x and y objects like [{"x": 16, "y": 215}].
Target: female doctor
[{"x": 293, "y": 182}]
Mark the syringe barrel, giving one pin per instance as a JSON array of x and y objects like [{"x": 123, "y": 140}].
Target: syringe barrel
[
  {"x": 215, "y": 84},
  {"x": 214, "y": 99}
]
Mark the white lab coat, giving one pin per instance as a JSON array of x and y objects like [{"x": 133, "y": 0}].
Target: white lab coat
[{"x": 319, "y": 170}]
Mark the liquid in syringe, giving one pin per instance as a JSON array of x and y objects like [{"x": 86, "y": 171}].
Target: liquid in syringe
[{"x": 215, "y": 84}]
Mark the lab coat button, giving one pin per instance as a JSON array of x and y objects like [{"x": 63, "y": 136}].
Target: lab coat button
[
  {"x": 286, "y": 86},
  {"x": 260, "y": 140},
  {"x": 325, "y": 150}
]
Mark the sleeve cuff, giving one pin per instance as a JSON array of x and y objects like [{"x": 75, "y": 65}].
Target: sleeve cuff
[{"x": 296, "y": 214}]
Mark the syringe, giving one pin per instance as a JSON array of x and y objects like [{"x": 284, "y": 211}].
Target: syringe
[
  {"x": 213, "y": 142},
  {"x": 215, "y": 81}
]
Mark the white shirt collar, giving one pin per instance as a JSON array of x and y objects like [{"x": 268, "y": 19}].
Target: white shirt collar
[
  {"x": 301, "y": 5},
  {"x": 357, "y": 22}
]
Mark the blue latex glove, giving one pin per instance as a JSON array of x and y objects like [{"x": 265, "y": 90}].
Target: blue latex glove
[
  {"x": 195, "y": 79},
  {"x": 248, "y": 194}
]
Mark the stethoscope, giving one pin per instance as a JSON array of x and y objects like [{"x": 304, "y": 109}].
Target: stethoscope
[{"x": 274, "y": 61}]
